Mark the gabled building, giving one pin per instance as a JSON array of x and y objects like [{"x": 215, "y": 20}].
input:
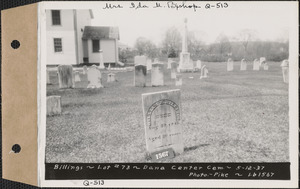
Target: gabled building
[
  {"x": 96, "y": 38},
  {"x": 72, "y": 40}
]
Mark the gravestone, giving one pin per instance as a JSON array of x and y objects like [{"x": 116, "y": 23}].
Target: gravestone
[
  {"x": 266, "y": 66},
  {"x": 157, "y": 74},
  {"x": 198, "y": 65},
  {"x": 111, "y": 77},
  {"x": 162, "y": 120},
  {"x": 77, "y": 76},
  {"x": 262, "y": 60},
  {"x": 170, "y": 60},
  {"x": 94, "y": 77},
  {"x": 229, "y": 65},
  {"x": 65, "y": 76},
  {"x": 101, "y": 60},
  {"x": 204, "y": 72},
  {"x": 140, "y": 60},
  {"x": 48, "y": 77},
  {"x": 174, "y": 66},
  {"x": 140, "y": 75},
  {"x": 178, "y": 81},
  {"x": 256, "y": 64},
  {"x": 84, "y": 72},
  {"x": 243, "y": 65},
  {"x": 185, "y": 65},
  {"x": 149, "y": 65},
  {"x": 53, "y": 105},
  {"x": 285, "y": 70}
]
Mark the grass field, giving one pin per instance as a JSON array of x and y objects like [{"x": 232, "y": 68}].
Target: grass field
[{"x": 239, "y": 116}]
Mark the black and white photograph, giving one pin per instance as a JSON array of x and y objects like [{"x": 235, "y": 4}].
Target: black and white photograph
[{"x": 151, "y": 85}]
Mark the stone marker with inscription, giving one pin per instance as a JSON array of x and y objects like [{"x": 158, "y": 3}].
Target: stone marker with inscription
[
  {"x": 198, "y": 65},
  {"x": 170, "y": 60},
  {"x": 243, "y": 65},
  {"x": 285, "y": 70},
  {"x": 111, "y": 77},
  {"x": 140, "y": 76},
  {"x": 77, "y": 76},
  {"x": 94, "y": 77},
  {"x": 204, "y": 72},
  {"x": 84, "y": 70},
  {"x": 65, "y": 76},
  {"x": 174, "y": 67},
  {"x": 53, "y": 105},
  {"x": 229, "y": 65},
  {"x": 178, "y": 81},
  {"x": 262, "y": 60},
  {"x": 266, "y": 66},
  {"x": 157, "y": 74},
  {"x": 185, "y": 65},
  {"x": 162, "y": 120},
  {"x": 256, "y": 64}
]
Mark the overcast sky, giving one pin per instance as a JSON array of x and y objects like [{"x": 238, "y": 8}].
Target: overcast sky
[{"x": 270, "y": 20}]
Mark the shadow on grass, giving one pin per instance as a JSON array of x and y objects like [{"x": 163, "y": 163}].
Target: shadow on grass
[{"x": 186, "y": 149}]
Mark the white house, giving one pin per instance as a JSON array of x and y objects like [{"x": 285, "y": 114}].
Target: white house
[
  {"x": 96, "y": 38},
  {"x": 72, "y": 40}
]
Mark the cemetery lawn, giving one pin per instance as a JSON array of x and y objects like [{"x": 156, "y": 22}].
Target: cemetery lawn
[{"x": 238, "y": 116}]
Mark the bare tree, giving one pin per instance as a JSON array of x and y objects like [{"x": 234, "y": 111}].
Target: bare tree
[
  {"x": 195, "y": 46},
  {"x": 224, "y": 44},
  {"x": 245, "y": 36},
  {"x": 146, "y": 47},
  {"x": 172, "y": 41}
]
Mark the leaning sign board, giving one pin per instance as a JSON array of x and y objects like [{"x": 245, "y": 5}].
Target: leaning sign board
[{"x": 162, "y": 119}]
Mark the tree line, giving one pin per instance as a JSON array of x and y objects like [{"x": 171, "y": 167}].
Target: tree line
[{"x": 245, "y": 45}]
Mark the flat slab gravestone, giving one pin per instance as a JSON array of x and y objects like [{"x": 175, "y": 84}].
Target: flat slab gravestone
[
  {"x": 94, "y": 77},
  {"x": 178, "y": 81},
  {"x": 157, "y": 74},
  {"x": 77, "y": 76},
  {"x": 65, "y": 76},
  {"x": 174, "y": 67},
  {"x": 53, "y": 105},
  {"x": 256, "y": 64},
  {"x": 229, "y": 65},
  {"x": 111, "y": 77},
  {"x": 140, "y": 75},
  {"x": 285, "y": 71},
  {"x": 162, "y": 119},
  {"x": 243, "y": 65}
]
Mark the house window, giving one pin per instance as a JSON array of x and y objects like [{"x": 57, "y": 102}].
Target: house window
[
  {"x": 96, "y": 46},
  {"x": 57, "y": 45},
  {"x": 56, "y": 17}
]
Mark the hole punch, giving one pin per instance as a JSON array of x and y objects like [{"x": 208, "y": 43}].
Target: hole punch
[
  {"x": 16, "y": 148},
  {"x": 15, "y": 44}
]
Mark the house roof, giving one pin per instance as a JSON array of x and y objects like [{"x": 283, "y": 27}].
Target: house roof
[{"x": 100, "y": 32}]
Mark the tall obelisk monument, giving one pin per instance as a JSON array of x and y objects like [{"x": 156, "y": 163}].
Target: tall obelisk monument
[{"x": 185, "y": 65}]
